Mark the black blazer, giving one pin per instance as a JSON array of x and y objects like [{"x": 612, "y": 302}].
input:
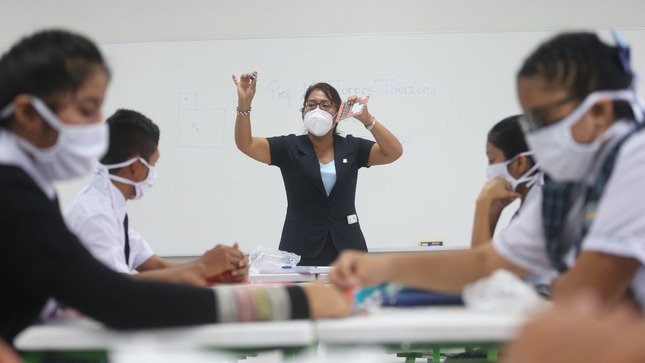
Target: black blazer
[{"x": 311, "y": 214}]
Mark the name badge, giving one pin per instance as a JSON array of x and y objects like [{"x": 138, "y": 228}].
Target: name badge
[{"x": 351, "y": 219}]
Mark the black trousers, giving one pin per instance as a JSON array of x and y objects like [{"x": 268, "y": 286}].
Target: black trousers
[{"x": 328, "y": 255}]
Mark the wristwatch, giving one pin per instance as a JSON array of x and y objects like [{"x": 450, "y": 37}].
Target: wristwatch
[{"x": 371, "y": 126}]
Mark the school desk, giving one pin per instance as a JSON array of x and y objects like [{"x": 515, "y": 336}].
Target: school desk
[
  {"x": 423, "y": 329},
  {"x": 277, "y": 278},
  {"x": 83, "y": 335},
  {"x": 306, "y": 274},
  {"x": 403, "y": 330},
  {"x": 408, "y": 248}
]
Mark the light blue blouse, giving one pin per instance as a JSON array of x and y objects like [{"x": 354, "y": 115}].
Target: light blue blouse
[{"x": 328, "y": 174}]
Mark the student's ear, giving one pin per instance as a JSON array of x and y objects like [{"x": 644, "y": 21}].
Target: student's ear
[
  {"x": 26, "y": 118},
  {"x": 602, "y": 114},
  {"x": 520, "y": 165},
  {"x": 134, "y": 168}
]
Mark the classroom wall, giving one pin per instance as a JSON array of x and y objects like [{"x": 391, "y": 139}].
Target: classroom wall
[
  {"x": 448, "y": 193},
  {"x": 168, "y": 20}
]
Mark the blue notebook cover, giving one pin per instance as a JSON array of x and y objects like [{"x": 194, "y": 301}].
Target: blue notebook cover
[{"x": 414, "y": 297}]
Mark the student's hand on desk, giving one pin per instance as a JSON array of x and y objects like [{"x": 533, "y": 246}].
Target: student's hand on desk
[
  {"x": 497, "y": 191},
  {"x": 580, "y": 332},
  {"x": 193, "y": 274},
  {"x": 240, "y": 274},
  {"x": 7, "y": 355},
  {"x": 354, "y": 268},
  {"x": 225, "y": 258},
  {"x": 245, "y": 90},
  {"x": 325, "y": 301}
]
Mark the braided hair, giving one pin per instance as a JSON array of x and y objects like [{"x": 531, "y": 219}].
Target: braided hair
[{"x": 581, "y": 63}]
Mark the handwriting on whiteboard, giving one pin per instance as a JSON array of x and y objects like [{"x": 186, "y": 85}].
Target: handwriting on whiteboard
[{"x": 281, "y": 92}]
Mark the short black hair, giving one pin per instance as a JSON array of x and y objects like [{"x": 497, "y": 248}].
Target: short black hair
[
  {"x": 131, "y": 134},
  {"x": 48, "y": 64},
  {"x": 327, "y": 89},
  {"x": 507, "y": 136},
  {"x": 580, "y": 63}
]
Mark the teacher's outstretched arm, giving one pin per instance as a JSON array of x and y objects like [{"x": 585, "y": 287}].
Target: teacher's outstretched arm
[
  {"x": 255, "y": 147},
  {"x": 387, "y": 148}
]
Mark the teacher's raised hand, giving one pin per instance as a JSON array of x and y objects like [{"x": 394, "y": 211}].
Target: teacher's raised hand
[{"x": 245, "y": 89}]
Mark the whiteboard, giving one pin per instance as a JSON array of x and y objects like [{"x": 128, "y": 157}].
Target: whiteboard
[{"x": 438, "y": 92}]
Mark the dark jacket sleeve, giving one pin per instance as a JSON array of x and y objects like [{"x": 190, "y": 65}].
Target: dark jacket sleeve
[
  {"x": 363, "y": 147},
  {"x": 279, "y": 149},
  {"x": 50, "y": 261}
]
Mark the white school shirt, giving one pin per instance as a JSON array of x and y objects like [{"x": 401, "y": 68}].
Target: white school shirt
[
  {"x": 534, "y": 191},
  {"x": 619, "y": 226},
  {"x": 539, "y": 282},
  {"x": 12, "y": 154},
  {"x": 96, "y": 216}
]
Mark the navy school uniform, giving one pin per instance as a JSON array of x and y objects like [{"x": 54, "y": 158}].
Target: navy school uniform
[{"x": 318, "y": 226}]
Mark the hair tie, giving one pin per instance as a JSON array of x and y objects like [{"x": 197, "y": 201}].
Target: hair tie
[{"x": 624, "y": 53}]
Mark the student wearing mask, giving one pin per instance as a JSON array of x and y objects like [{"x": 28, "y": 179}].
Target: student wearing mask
[
  {"x": 98, "y": 216},
  {"x": 320, "y": 170},
  {"x": 586, "y": 230},
  {"x": 512, "y": 173},
  {"x": 53, "y": 86}
]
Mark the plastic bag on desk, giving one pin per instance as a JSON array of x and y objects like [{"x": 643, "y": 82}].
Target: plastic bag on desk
[
  {"x": 262, "y": 258},
  {"x": 502, "y": 291}
]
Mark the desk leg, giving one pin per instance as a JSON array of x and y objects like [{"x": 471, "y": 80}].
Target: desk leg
[
  {"x": 492, "y": 355},
  {"x": 410, "y": 357},
  {"x": 293, "y": 354},
  {"x": 436, "y": 354},
  {"x": 31, "y": 357}
]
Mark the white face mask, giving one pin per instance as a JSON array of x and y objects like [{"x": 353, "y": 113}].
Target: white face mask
[
  {"x": 501, "y": 169},
  {"x": 557, "y": 152},
  {"x": 77, "y": 150},
  {"x": 141, "y": 187},
  {"x": 318, "y": 122}
]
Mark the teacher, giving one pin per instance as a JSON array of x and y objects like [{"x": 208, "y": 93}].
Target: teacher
[{"x": 320, "y": 170}]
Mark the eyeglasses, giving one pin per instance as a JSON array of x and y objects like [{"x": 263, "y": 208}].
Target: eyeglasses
[
  {"x": 536, "y": 118},
  {"x": 324, "y": 105}
]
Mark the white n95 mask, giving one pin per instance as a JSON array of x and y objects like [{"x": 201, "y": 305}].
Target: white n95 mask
[
  {"x": 141, "y": 187},
  {"x": 501, "y": 169},
  {"x": 318, "y": 122},
  {"x": 77, "y": 150},
  {"x": 559, "y": 155}
]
